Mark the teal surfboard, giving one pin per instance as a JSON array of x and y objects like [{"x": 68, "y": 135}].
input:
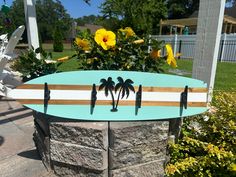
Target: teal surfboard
[{"x": 113, "y": 95}]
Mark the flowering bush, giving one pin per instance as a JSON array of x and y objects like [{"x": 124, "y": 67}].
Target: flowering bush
[
  {"x": 208, "y": 146},
  {"x": 121, "y": 51}
]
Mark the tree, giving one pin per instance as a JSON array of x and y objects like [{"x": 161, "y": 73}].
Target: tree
[
  {"x": 57, "y": 40},
  {"x": 91, "y": 19},
  {"x": 49, "y": 14},
  {"x": 142, "y": 15},
  {"x": 108, "y": 85},
  {"x": 182, "y": 8},
  {"x": 124, "y": 87},
  {"x": 17, "y": 18}
]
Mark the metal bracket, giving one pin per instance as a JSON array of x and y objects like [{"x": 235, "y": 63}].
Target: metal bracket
[
  {"x": 93, "y": 98},
  {"x": 184, "y": 100},
  {"x": 46, "y": 97},
  {"x": 138, "y": 99}
]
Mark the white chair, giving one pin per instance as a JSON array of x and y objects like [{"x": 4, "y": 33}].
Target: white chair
[
  {"x": 14, "y": 39},
  {"x": 7, "y": 79},
  {"x": 3, "y": 42}
]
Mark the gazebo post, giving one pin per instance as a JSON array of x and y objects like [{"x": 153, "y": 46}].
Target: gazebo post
[
  {"x": 31, "y": 23},
  {"x": 225, "y": 27},
  {"x": 230, "y": 28},
  {"x": 211, "y": 14},
  {"x": 160, "y": 31}
]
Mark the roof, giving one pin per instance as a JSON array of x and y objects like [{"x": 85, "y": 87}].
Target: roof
[{"x": 229, "y": 17}]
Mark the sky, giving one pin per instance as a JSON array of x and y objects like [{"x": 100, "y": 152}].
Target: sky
[{"x": 76, "y": 8}]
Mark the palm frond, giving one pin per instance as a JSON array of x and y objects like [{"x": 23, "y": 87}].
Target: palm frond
[
  {"x": 131, "y": 87},
  {"x": 118, "y": 86}
]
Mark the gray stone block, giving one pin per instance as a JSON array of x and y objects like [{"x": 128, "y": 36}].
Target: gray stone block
[
  {"x": 65, "y": 170},
  {"x": 130, "y": 134},
  {"x": 43, "y": 122},
  {"x": 78, "y": 155},
  {"x": 43, "y": 149},
  {"x": 139, "y": 154},
  {"x": 43, "y": 140},
  {"x": 150, "y": 169},
  {"x": 90, "y": 134}
]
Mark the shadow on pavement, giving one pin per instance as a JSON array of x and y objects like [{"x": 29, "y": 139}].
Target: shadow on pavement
[
  {"x": 1, "y": 140},
  {"x": 13, "y": 118},
  {"x": 13, "y": 111},
  {"x": 30, "y": 154}
]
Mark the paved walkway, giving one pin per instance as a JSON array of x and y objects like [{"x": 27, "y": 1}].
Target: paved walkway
[{"x": 18, "y": 156}]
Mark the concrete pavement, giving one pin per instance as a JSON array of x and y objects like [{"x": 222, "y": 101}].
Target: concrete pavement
[{"x": 18, "y": 155}]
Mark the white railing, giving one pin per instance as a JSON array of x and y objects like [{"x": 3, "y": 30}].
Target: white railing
[{"x": 185, "y": 44}]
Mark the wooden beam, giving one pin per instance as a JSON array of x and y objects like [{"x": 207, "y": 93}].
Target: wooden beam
[
  {"x": 181, "y": 31},
  {"x": 160, "y": 31},
  {"x": 182, "y": 22},
  {"x": 230, "y": 28},
  {"x": 210, "y": 20},
  {"x": 225, "y": 27}
]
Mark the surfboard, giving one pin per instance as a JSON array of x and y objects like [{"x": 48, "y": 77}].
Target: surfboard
[{"x": 113, "y": 95}]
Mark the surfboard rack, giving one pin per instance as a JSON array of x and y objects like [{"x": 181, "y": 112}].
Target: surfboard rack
[
  {"x": 46, "y": 96},
  {"x": 93, "y": 98},
  {"x": 184, "y": 100},
  {"x": 138, "y": 99}
]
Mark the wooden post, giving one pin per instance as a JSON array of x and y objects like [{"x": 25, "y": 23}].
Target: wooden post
[
  {"x": 31, "y": 23},
  {"x": 181, "y": 31},
  {"x": 225, "y": 27},
  {"x": 211, "y": 14},
  {"x": 160, "y": 27},
  {"x": 230, "y": 28},
  {"x": 171, "y": 28},
  {"x": 175, "y": 44}
]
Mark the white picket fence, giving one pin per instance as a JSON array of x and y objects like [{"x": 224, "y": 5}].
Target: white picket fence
[{"x": 185, "y": 44}]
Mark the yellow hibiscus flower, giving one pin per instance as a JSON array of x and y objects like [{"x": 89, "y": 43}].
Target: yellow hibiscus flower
[
  {"x": 139, "y": 41},
  {"x": 155, "y": 54},
  {"x": 128, "y": 32},
  {"x": 106, "y": 39},
  {"x": 63, "y": 59},
  {"x": 170, "y": 56},
  {"x": 82, "y": 43}
]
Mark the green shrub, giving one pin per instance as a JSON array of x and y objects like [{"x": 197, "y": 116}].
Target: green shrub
[
  {"x": 58, "y": 41},
  {"x": 31, "y": 67},
  {"x": 208, "y": 146}
]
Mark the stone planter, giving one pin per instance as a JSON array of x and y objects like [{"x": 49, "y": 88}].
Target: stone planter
[{"x": 101, "y": 149}]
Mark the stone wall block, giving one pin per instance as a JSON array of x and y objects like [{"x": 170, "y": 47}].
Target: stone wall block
[
  {"x": 150, "y": 169},
  {"x": 119, "y": 158},
  {"x": 130, "y": 134},
  {"x": 43, "y": 121},
  {"x": 90, "y": 134},
  {"x": 78, "y": 155},
  {"x": 65, "y": 170},
  {"x": 42, "y": 145}
]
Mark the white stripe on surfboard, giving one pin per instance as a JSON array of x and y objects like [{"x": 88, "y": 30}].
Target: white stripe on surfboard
[
  {"x": 89, "y": 87},
  {"x": 86, "y": 95}
]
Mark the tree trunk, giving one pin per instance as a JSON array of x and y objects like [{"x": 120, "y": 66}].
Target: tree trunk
[
  {"x": 118, "y": 99},
  {"x": 113, "y": 101}
]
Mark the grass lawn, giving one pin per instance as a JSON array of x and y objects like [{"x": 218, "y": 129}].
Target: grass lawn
[{"x": 225, "y": 74}]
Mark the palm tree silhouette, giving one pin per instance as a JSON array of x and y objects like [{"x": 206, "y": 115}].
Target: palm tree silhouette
[
  {"x": 124, "y": 88},
  {"x": 108, "y": 85}
]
